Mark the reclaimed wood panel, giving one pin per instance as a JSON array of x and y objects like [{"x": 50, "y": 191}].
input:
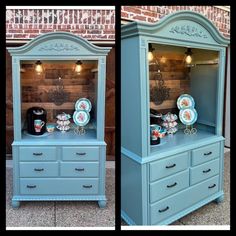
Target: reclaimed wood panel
[{"x": 175, "y": 76}]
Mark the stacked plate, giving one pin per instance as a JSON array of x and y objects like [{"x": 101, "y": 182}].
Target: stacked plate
[
  {"x": 187, "y": 114},
  {"x": 81, "y": 115}
]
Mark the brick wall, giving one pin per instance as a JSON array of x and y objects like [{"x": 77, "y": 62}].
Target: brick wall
[
  {"x": 89, "y": 24},
  {"x": 219, "y": 17}
]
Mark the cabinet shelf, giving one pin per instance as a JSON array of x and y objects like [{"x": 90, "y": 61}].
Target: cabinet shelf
[{"x": 179, "y": 139}]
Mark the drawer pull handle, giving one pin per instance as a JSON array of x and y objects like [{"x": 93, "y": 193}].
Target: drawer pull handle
[
  {"x": 31, "y": 186},
  {"x": 36, "y": 169},
  {"x": 172, "y": 185},
  {"x": 163, "y": 210},
  {"x": 80, "y": 153},
  {"x": 206, "y": 171},
  {"x": 87, "y": 186},
  {"x": 207, "y": 153},
  {"x": 37, "y": 153},
  {"x": 212, "y": 186},
  {"x": 79, "y": 169},
  {"x": 171, "y": 166}
]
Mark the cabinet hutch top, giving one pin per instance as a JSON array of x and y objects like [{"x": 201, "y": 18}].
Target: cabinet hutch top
[
  {"x": 182, "y": 26},
  {"x": 59, "y": 44}
]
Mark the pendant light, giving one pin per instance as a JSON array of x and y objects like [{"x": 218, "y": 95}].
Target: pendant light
[
  {"x": 38, "y": 67},
  {"x": 150, "y": 52},
  {"x": 78, "y": 67},
  {"x": 188, "y": 57}
]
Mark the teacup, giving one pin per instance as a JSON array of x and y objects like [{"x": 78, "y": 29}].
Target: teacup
[
  {"x": 50, "y": 127},
  {"x": 38, "y": 124}
]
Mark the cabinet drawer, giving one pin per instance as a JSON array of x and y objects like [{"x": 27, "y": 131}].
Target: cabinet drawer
[
  {"x": 37, "y": 153},
  {"x": 59, "y": 186},
  {"x": 204, "y": 171},
  {"x": 168, "y": 166},
  {"x": 80, "y": 169},
  {"x": 38, "y": 169},
  {"x": 206, "y": 153},
  {"x": 174, "y": 204},
  {"x": 169, "y": 185},
  {"x": 80, "y": 153}
]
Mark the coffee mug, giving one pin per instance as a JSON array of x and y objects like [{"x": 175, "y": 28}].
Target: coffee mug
[
  {"x": 38, "y": 124},
  {"x": 155, "y": 131}
]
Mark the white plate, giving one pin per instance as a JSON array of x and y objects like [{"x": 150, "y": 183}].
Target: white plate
[
  {"x": 81, "y": 117},
  {"x": 83, "y": 104}
]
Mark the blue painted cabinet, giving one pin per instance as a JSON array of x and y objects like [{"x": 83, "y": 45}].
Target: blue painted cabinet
[
  {"x": 59, "y": 166},
  {"x": 162, "y": 183}
]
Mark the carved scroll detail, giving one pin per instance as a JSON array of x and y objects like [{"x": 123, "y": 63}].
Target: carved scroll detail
[{"x": 188, "y": 30}]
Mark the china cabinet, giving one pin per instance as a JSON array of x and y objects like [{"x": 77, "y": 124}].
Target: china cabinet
[
  {"x": 181, "y": 54},
  {"x": 50, "y": 74}
]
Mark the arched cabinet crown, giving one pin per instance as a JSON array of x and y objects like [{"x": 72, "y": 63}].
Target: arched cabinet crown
[
  {"x": 184, "y": 26},
  {"x": 59, "y": 44}
]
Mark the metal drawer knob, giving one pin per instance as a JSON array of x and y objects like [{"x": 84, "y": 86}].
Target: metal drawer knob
[
  {"x": 37, "y": 153},
  {"x": 207, "y": 153},
  {"x": 79, "y": 169},
  {"x": 31, "y": 186},
  {"x": 163, "y": 210},
  {"x": 171, "y": 166},
  {"x": 87, "y": 186},
  {"x": 36, "y": 169},
  {"x": 212, "y": 186},
  {"x": 80, "y": 153},
  {"x": 206, "y": 171},
  {"x": 172, "y": 185}
]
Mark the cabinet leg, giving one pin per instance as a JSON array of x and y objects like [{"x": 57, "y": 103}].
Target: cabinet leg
[
  {"x": 102, "y": 203},
  {"x": 15, "y": 204},
  {"x": 219, "y": 199}
]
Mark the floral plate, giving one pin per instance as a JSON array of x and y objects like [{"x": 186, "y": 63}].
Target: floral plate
[
  {"x": 83, "y": 104},
  {"x": 188, "y": 116},
  {"x": 81, "y": 117},
  {"x": 185, "y": 101}
]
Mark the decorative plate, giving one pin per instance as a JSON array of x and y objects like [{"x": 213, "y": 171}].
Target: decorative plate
[
  {"x": 83, "y": 104},
  {"x": 185, "y": 101},
  {"x": 188, "y": 116},
  {"x": 81, "y": 117}
]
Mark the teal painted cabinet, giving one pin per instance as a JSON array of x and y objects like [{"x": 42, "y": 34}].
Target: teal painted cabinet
[
  {"x": 59, "y": 166},
  {"x": 162, "y": 183}
]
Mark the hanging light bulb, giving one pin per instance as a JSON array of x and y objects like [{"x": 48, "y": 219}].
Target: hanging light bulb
[
  {"x": 78, "y": 67},
  {"x": 150, "y": 52},
  {"x": 38, "y": 67},
  {"x": 188, "y": 58}
]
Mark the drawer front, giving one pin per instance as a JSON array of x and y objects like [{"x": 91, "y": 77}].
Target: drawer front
[
  {"x": 204, "y": 154},
  {"x": 204, "y": 171},
  {"x": 169, "y": 185},
  {"x": 172, "y": 205},
  {"x": 38, "y": 169},
  {"x": 168, "y": 166},
  {"x": 37, "y": 153},
  {"x": 80, "y": 169},
  {"x": 59, "y": 186},
  {"x": 80, "y": 153}
]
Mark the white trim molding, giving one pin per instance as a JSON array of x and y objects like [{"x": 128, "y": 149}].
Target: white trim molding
[
  {"x": 226, "y": 8},
  {"x": 63, "y": 7}
]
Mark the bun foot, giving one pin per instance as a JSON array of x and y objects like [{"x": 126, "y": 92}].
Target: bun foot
[
  {"x": 219, "y": 199},
  {"x": 102, "y": 203},
  {"x": 15, "y": 204}
]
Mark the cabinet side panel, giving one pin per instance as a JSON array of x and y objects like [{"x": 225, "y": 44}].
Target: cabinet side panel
[
  {"x": 204, "y": 79},
  {"x": 130, "y": 96},
  {"x": 131, "y": 189}
]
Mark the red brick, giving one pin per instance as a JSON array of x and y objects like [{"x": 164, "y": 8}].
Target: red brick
[
  {"x": 141, "y": 18},
  {"x": 132, "y": 9},
  {"x": 15, "y": 31},
  {"x": 20, "y": 36},
  {"x": 31, "y": 31}
]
